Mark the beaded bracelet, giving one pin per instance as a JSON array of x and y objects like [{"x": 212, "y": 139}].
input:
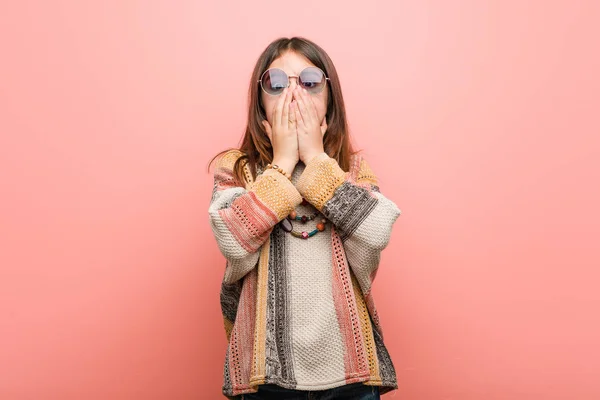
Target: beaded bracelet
[{"x": 278, "y": 168}]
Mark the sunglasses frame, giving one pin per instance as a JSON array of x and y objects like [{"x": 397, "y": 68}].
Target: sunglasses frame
[{"x": 292, "y": 76}]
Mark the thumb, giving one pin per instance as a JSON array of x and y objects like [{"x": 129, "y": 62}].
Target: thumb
[
  {"x": 267, "y": 127},
  {"x": 324, "y": 127}
]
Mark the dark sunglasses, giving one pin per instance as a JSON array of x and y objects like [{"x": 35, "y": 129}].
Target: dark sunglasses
[{"x": 274, "y": 80}]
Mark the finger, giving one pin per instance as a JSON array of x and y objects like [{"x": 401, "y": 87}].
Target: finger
[
  {"x": 285, "y": 112},
  {"x": 292, "y": 113},
  {"x": 310, "y": 106},
  {"x": 299, "y": 121},
  {"x": 279, "y": 107},
  {"x": 302, "y": 107}
]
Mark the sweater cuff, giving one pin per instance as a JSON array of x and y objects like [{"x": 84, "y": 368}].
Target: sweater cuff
[
  {"x": 319, "y": 180},
  {"x": 277, "y": 192}
]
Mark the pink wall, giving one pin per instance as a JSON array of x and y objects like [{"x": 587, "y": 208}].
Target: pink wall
[{"x": 483, "y": 127}]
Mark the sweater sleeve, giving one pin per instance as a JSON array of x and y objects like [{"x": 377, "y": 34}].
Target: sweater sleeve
[
  {"x": 352, "y": 201},
  {"x": 242, "y": 218}
]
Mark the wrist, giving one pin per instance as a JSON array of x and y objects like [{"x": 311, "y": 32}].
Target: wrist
[
  {"x": 309, "y": 158},
  {"x": 287, "y": 166}
]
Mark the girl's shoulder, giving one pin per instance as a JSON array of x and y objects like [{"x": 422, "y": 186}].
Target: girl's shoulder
[
  {"x": 225, "y": 167},
  {"x": 228, "y": 158}
]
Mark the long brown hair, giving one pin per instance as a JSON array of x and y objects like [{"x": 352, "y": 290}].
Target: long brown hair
[{"x": 256, "y": 147}]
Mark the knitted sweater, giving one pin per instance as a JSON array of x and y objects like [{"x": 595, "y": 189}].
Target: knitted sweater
[{"x": 297, "y": 312}]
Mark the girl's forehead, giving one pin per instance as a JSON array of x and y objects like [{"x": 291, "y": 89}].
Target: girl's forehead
[{"x": 291, "y": 63}]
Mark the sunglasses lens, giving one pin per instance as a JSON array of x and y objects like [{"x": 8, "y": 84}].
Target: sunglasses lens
[
  {"x": 312, "y": 79},
  {"x": 274, "y": 80}
]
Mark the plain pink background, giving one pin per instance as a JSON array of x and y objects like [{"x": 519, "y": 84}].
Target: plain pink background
[{"x": 481, "y": 119}]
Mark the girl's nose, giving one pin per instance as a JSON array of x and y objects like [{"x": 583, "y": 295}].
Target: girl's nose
[{"x": 293, "y": 82}]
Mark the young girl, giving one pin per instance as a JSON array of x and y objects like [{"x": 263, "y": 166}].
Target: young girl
[{"x": 301, "y": 222}]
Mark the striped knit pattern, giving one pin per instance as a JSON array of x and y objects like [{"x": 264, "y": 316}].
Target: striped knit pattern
[{"x": 300, "y": 313}]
